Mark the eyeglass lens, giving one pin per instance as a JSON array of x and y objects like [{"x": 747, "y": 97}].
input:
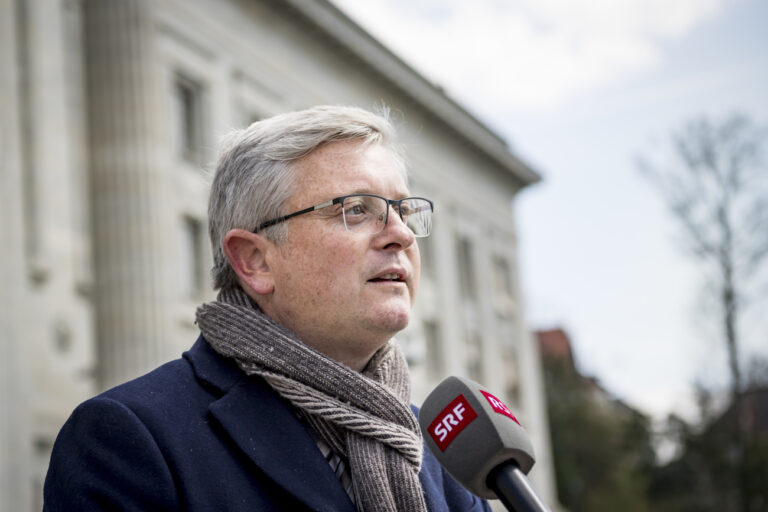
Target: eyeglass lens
[{"x": 369, "y": 214}]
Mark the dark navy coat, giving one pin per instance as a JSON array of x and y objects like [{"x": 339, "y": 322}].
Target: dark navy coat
[{"x": 197, "y": 434}]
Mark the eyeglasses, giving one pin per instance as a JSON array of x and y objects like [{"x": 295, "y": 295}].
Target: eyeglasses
[{"x": 368, "y": 213}]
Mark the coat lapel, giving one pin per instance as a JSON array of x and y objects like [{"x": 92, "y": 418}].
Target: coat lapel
[{"x": 267, "y": 430}]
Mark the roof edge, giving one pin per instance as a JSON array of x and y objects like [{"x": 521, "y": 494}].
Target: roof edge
[{"x": 346, "y": 32}]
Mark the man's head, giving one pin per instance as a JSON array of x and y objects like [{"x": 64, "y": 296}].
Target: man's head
[{"x": 343, "y": 289}]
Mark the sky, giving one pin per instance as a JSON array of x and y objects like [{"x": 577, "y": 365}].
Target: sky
[{"x": 580, "y": 89}]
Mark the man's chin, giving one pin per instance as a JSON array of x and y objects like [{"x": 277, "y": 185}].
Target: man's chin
[{"x": 392, "y": 320}]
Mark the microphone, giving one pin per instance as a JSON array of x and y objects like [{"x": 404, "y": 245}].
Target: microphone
[{"x": 478, "y": 440}]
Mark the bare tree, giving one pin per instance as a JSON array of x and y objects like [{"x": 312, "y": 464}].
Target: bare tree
[{"x": 716, "y": 186}]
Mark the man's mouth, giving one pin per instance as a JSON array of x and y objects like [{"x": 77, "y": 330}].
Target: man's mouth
[{"x": 390, "y": 277}]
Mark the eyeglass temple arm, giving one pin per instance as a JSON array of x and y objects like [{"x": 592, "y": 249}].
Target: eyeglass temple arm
[
  {"x": 424, "y": 208},
  {"x": 278, "y": 220},
  {"x": 430, "y": 206}
]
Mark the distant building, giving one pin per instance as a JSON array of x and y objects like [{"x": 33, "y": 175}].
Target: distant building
[
  {"x": 750, "y": 410},
  {"x": 110, "y": 115},
  {"x": 601, "y": 445},
  {"x": 555, "y": 349}
]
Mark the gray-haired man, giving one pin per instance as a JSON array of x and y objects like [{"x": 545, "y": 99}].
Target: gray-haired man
[{"x": 296, "y": 396}]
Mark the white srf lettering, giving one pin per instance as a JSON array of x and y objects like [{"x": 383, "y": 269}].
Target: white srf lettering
[
  {"x": 459, "y": 411},
  {"x": 445, "y": 426},
  {"x": 441, "y": 431},
  {"x": 450, "y": 420},
  {"x": 456, "y": 415}
]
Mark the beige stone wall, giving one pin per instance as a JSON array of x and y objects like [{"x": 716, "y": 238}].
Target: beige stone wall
[
  {"x": 104, "y": 194},
  {"x": 12, "y": 290}
]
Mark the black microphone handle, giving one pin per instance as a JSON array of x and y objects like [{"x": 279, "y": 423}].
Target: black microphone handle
[{"x": 513, "y": 488}]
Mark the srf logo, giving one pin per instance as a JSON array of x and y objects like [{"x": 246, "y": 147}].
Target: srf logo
[
  {"x": 499, "y": 406},
  {"x": 451, "y": 420}
]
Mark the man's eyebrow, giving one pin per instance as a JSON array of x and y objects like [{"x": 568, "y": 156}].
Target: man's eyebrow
[{"x": 368, "y": 191}]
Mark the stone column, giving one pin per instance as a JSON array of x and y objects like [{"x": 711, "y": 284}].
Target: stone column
[
  {"x": 532, "y": 394},
  {"x": 446, "y": 272},
  {"x": 14, "y": 454},
  {"x": 490, "y": 348},
  {"x": 127, "y": 188}
]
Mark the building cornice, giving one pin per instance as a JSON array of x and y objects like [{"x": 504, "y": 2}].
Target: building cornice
[{"x": 336, "y": 25}]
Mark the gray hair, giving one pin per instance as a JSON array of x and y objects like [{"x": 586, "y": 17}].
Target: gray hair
[{"x": 254, "y": 173}]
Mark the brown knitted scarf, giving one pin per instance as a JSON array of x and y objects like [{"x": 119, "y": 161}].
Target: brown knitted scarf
[{"x": 364, "y": 417}]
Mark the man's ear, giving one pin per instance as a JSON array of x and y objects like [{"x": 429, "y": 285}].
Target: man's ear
[{"x": 248, "y": 253}]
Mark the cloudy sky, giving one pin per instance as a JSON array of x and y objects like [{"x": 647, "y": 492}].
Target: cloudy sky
[{"x": 579, "y": 89}]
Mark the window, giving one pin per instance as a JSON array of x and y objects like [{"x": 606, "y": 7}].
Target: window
[
  {"x": 503, "y": 297},
  {"x": 474, "y": 356},
  {"x": 466, "y": 268},
  {"x": 427, "y": 257},
  {"x": 511, "y": 374},
  {"x": 42, "y": 448},
  {"x": 62, "y": 337},
  {"x": 186, "y": 117},
  {"x": 435, "y": 359},
  {"x": 190, "y": 260}
]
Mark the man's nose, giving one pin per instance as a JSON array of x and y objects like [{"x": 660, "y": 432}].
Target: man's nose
[{"x": 396, "y": 231}]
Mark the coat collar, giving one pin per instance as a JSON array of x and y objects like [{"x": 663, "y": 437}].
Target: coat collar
[{"x": 268, "y": 431}]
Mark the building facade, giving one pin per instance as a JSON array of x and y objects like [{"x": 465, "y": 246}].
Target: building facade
[{"x": 111, "y": 112}]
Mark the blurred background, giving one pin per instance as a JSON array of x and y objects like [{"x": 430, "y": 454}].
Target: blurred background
[{"x": 600, "y": 254}]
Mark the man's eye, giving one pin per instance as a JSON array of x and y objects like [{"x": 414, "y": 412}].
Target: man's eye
[{"x": 355, "y": 209}]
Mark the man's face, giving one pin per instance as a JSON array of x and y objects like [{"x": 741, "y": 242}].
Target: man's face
[{"x": 333, "y": 287}]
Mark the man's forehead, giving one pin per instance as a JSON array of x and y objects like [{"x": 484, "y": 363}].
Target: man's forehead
[
  {"x": 340, "y": 153},
  {"x": 339, "y": 172}
]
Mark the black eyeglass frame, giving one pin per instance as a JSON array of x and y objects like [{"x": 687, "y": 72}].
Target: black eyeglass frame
[{"x": 340, "y": 200}]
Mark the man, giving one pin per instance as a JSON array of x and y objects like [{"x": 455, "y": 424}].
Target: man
[{"x": 295, "y": 396}]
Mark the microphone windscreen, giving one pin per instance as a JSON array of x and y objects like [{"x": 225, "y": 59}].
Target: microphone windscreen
[{"x": 470, "y": 432}]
